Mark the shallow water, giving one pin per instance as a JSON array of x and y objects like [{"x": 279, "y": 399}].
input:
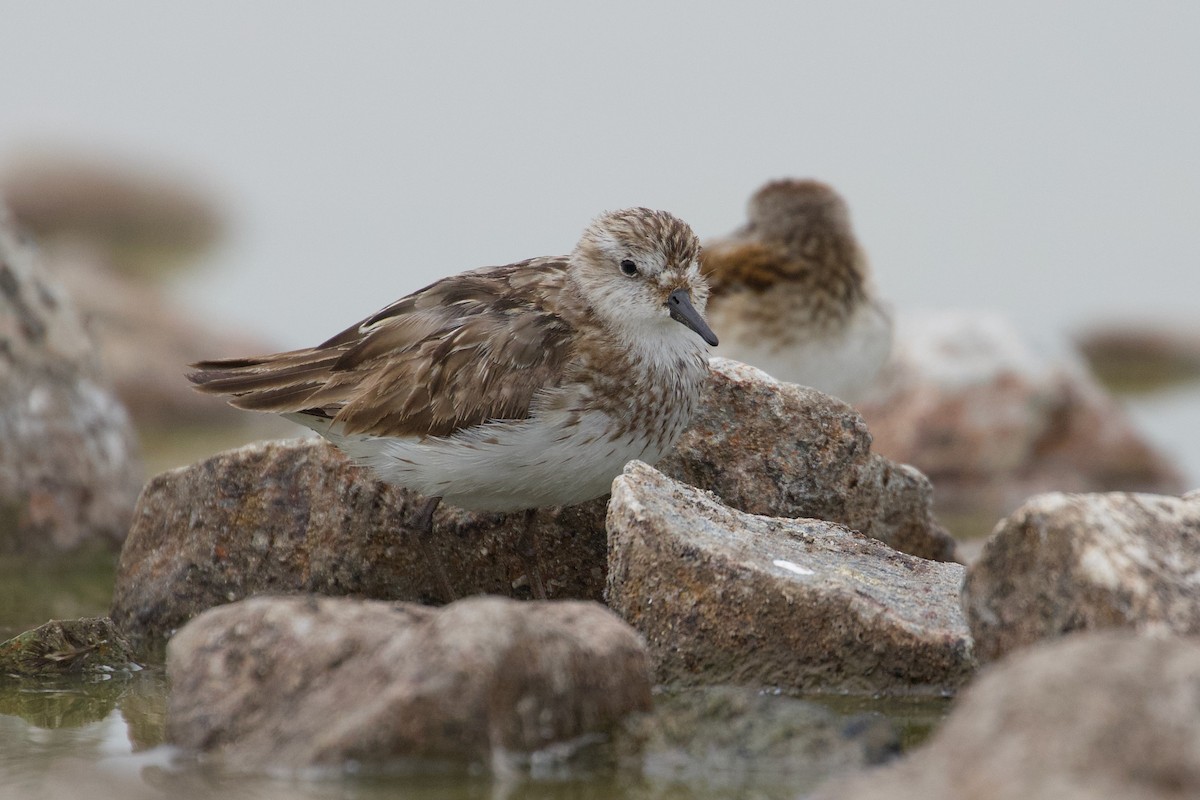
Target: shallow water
[
  {"x": 101, "y": 739},
  {"x": 107, "y": 735}
]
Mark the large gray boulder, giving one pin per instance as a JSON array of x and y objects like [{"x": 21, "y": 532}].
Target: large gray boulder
[
  {"x": 727, "y": 597},
  {"x": 1064, "y": 563}
]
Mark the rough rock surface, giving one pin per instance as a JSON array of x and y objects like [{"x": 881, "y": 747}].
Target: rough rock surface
[
  {"x": 740, "y": 741},
  {"x": 1098, "y": 715},
  {"x": 1063, "y": 563},
  {"x": 66, "y": 646},
  {"x": 782, "y": 450},
  {"x": 297, "y": 516},
  {"x": 727, "y": 597},
  {"x": 293, "y": 682},
  {"x": 69, "y": 470},
  {"x": 969, "y": 402}
]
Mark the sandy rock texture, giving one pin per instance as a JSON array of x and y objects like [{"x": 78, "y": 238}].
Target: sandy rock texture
[
  {"x": 297, "y": 517},
  {"x": 773, "y": 448},
  {"x": 727, "y": 597},
  {"x": 1064, "y": 563},
  {"x": 1096, "y": 715},
  {"x": 294, "y": 682},
  {"x": 69, "y": 467},
  {"x": 970, "y": 402}
]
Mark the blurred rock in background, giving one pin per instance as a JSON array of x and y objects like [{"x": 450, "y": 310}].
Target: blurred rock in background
[
  {"x": 113, "y": 233},
  {"x": 141, "y": 219},
  {"x": 1136, "y": 357},
  {"x": 991, "y": 421},
  {"x": 69, "y": 468}
]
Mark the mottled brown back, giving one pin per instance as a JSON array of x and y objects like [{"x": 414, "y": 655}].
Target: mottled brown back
[{"x": 469, "y": 348}]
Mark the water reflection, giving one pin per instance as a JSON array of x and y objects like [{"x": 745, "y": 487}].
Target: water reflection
[{"x": 107, "y": 736}]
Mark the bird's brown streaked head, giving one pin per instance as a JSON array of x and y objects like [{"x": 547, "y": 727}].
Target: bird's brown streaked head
[
  {"x": 790, "y": 209},
  {"x": 638, "y": 268}
]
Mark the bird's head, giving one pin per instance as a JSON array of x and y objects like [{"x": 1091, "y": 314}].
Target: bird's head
[{"x": 639, "y": 270}]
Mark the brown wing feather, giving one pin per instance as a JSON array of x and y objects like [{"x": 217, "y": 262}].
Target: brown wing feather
[
  {"x": 467, "y": 349},
  {"x": 746, "y": 264}
]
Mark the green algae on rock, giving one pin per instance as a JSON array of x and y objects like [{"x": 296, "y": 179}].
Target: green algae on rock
[{"x": 67, "y": 647}]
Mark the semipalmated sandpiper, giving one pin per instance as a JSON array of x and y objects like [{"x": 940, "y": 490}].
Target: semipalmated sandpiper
[
  {"x": 792, "y": 293},
  {"x": 508, "y": 388}
]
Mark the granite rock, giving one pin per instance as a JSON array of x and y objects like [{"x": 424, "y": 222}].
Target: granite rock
[
  {"x": 783, "y": 450},
  {"x": 727, "y": 597},
  {"x": 1098, "y": 715},
  {"x": 298, "y": 517},
  {"x": 1063, "y": 563},
  {"x": 286, "y": 683}
]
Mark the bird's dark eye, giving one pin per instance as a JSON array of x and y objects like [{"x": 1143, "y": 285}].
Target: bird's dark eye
[{"x": 629, "y": 268}]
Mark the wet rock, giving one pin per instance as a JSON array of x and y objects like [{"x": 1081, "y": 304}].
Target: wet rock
[
  {"x": 1095, "y": 715},
  {"x": 296, "y": 516},
  {"x": 67, "y": 647},
  {"x": 727, "y": 597},
  {"x": 293, "y": 682},
  {"x": 969, "y": 402},
  {"x": 740, "y": 741},
  {"x": 69, "y": 470},
  {"x": 783, "y": 450},
  {"x": 1064, "y": 563}
]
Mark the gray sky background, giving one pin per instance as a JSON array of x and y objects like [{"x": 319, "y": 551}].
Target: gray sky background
[{"x": 1037, "y": 158}]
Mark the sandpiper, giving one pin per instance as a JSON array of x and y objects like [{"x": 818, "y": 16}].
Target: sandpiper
[
  {"x": 792, "y": 294},
  {"x": 508, "y": 388}
]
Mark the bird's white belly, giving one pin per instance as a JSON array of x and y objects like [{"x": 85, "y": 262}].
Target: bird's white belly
[
  {"x": 507, "y": 466},
  {"x": 842, "y": 363}
]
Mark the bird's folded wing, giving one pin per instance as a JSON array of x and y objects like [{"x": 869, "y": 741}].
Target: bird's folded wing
[{"x": 467, "y": 349}]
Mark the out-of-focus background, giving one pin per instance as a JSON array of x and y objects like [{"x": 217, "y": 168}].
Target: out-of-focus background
[
  {"x": 1040, "y": 159},
  {"x": 1035, "y": 159}
]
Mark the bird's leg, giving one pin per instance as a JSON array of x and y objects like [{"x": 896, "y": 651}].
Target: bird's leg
[
  {"x": 527, "y": 548},
  {"x": 423, "y": 528}
]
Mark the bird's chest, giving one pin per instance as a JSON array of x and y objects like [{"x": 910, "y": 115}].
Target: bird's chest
[{"x": 649, "y": 396}]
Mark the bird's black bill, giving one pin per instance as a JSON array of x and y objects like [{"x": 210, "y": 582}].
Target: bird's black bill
[{"x": 682, "y": 310}]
